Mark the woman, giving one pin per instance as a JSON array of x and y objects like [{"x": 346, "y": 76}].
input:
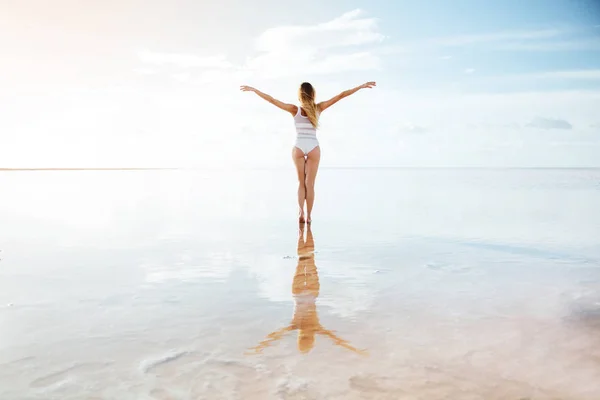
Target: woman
[
  {"x": 306, "y": 152},
  {"x": 305, "y": 289}
]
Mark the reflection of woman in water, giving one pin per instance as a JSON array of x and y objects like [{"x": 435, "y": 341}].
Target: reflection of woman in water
[{"x": 305, "y": 289}]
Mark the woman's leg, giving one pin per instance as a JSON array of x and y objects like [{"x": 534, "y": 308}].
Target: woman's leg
[
  {"x": 300, "y": 163},
  {"x": 301, "y": 241},
  {"x": 312, "y": 166}
]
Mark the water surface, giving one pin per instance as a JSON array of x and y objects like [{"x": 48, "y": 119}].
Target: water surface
[{"x": 411, "y": 284}]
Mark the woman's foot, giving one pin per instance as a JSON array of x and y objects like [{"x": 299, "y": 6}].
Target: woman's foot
[
  {"x": 301, "y": 218},
  {"x": 308, "y": 220}
]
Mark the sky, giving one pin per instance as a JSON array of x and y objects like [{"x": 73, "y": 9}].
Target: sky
[{"x": 466, "y": 83}]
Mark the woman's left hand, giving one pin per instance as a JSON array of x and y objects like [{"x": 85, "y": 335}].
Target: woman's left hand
[{"x": 368, "y": 85}]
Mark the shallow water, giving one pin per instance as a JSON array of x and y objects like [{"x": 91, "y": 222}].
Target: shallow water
[{"x": 411, "y": 284}]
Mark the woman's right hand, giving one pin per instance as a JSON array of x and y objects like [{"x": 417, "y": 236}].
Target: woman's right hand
[
  {"x": 245, "y": 88},
  {"x": 368, "y": 85}
]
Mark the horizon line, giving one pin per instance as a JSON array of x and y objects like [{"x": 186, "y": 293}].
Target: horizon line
[{"x": 263, "y": 168}]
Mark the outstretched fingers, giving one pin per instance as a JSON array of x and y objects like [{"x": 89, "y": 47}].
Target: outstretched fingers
[{"x": 369, "y": 85}]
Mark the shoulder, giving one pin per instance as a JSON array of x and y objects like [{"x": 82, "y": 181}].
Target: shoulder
[{"x": 294, "y": 109}]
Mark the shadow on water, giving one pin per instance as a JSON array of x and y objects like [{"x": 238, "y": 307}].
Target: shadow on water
[{"x": 305, "y": 290}]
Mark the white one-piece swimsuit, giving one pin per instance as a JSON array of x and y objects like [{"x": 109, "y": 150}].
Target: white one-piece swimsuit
[{"x": 306, "y": 134}]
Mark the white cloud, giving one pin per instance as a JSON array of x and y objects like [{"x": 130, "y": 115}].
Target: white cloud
[
  {"x": 549, "y": 46},
  {"x": 281, "y": 64},
  {"x": 411, "y": 128},
  {"x": 182, "y": 76},
  {"x": 500, "y": 125},
  {"x": 323, "y": 48},
  {"x": 573, "y": 74},
  {"x": 328, "y": 47},
  {"x": 190, "y": 68},
  {"x": 463, "y": 40},
  {"x": 346, "y": 30},
  {"x": 469, "y": 70},
  {"x": 184, "y": 60},
  {"x": 549, "y": 123},
  {"x": 445, "y": 57},
  {"x": 145, "y": 71},
  {"x": 212, "y": 76},
  {"x": 490, "y": 127},
  {"x": 582, "y": 75}
]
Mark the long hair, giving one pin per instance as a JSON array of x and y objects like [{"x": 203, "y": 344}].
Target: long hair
[{"x": 306, "y": 95}]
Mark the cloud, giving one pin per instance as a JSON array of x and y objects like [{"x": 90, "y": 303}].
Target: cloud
[
  {"x": 573, "y": 74},
  {"x": 411, "y": 128},
  {"x": 183, "y": 60},
  {"x": 182, "y": 76},
  {"x": 550, "y": 46},
  {"x": 469, "y": 70},
  {"x": 276, "y": 65},
  {"x": 219, "y": 76},
  {"x": 323, "y": 48},
  {"x": 145, "y": 71},
  {"x": 190, "y": 68},
  {"x": 549, "y": 123},
  {"x": 474, "y": 39},
  {"x": 330, "y": 47},
  {"x": 445, "y": 57},
  {"x": 494, "y": 125},
  {"x": 565, "y": 75},
  {"x": 346, "y": 30},
  {"x": 461, "y": 40}
]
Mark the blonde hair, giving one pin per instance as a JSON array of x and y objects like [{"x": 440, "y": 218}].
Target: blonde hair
[{"x": 306, "y": 95}]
